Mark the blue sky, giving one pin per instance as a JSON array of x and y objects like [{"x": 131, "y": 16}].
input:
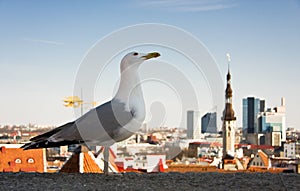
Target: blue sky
[{"x": 44, "y": 42}]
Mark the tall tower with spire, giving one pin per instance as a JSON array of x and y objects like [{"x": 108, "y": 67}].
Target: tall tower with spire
[{"x": 228, "y": 118}]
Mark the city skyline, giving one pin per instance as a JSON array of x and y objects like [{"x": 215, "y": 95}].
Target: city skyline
[{"x": 43, "y": 44}]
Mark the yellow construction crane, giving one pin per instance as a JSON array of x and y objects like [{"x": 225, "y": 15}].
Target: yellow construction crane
[{"x": 75, "y": 102}]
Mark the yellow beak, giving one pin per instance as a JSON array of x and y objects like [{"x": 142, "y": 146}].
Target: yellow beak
[{"x": 151, "y": 55}]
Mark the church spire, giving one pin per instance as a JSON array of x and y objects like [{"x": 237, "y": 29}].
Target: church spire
[
  {"x": 228, "y": 118},
  {"x": 228, "y": 92},
  {"x": 228, "y": 114}
]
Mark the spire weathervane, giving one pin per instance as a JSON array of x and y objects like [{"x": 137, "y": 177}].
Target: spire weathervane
[{"x": 228, "y": 60}]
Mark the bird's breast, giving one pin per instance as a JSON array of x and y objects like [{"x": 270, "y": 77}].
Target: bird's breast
[{"x": 137, "y": 107}]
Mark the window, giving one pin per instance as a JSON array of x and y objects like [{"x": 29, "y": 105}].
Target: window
[
  {"x": 253, "y": 163},
  {"x": 30, "y": 160},
  {"x": 18, "y": 161}
]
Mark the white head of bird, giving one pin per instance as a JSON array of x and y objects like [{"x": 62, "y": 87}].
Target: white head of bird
[
  {"x": 129, "y": 91},
  {"x": 134, "y": 59}
]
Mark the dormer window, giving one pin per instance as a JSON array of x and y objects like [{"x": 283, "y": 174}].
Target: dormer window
[
  {"x": 30, "y": 160},
  {"x": 18, "y": 161}
]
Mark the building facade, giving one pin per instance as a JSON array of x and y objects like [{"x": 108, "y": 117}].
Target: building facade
[
  {"x": 273, "y": 120},
  {"x": 193, "y": 125},
  {"x": 209, "y": 123},
  {"x": 19, "y": 160},
  {"x": 292, "y": 150},
  {"x": 270, "y": 126},
  {"x": 273, "y": 139},
  {"x": 251, "y": 108}
]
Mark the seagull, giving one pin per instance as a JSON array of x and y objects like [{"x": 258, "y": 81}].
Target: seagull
[{"x": 111, "y": 122}]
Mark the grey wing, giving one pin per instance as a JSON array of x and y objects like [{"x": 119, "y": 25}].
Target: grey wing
[
  {"x": 114, "y": 117},
  {"x": 69, "y": 133},
  {"x": 53, "y": 138},
  {"x": 102, "y": 125}
]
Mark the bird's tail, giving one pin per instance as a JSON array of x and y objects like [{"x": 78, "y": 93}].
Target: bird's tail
[
  {"x": 47, "y": 144},
  {"x": 35, "y": 145},
  {"x": 43, "y": 141}
]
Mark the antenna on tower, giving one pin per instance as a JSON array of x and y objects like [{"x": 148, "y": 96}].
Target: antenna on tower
[{"x": 228, "y": 60}]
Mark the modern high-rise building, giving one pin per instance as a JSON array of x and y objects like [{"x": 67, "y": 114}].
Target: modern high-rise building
[
  {"x": 193, "y": 125},
  {"x": 273, "y": 120},
  {"x": 229, "y": 121},
  {"x": 269, "y": 126},
  {"x": 209, "y": 123},
  {"x": 251, "y": 108}
]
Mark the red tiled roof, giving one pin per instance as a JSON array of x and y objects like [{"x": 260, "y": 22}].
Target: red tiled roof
[
  {"x": 252, "y": 146},
  {"x": 216, "y": 144},
  {"x": 199, "y": 143},
  {"x": 89, "y": 164},
  {"x": 72, "y": 165},
  {"x": 161, "y": 166},
  {"x": 264, "y": 158}
]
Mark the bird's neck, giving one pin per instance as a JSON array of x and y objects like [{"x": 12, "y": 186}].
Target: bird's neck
[{"x": 130, "y": 88}]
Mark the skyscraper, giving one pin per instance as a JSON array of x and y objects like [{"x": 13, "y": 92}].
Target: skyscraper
[
  {"x": 229, "y": 121},
  {"x": 274, "y": 120},
  {"x": 209, "y": 123},
  {"x": 193, "y": 125},
  {"x": 251, "y": 108}
]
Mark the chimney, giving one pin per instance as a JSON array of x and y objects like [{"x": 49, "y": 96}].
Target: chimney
[
  {"x": 12, "y": 163},
  {"x": 3, "y": 149},
  {"x": 283, "y": 101}
]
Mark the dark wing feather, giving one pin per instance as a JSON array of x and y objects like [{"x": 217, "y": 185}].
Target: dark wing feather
[
  {"x": 52, "y": 132},
  {"x": 41, "y": 141}
]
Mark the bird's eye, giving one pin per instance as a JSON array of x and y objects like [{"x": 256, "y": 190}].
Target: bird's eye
[{"x": 135, "y": 54}]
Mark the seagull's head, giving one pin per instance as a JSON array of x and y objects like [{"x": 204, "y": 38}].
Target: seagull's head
[{"x": 134, "y": 59}]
